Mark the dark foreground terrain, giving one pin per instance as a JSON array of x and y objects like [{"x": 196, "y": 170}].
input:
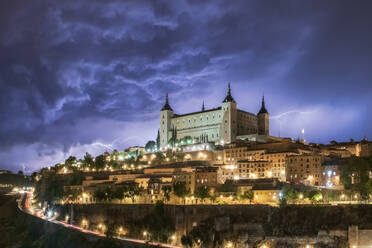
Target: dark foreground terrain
[{"x": 21, "y": 230}]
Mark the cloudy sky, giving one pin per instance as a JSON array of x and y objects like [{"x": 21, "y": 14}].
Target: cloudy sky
[{"x": 91, "y": 75}]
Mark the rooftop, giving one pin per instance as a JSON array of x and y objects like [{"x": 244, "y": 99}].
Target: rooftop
[
  {"x": 181, "y": 165},
  {"x": 198, "y": 112}
]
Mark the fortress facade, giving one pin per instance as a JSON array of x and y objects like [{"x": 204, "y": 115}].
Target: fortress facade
[{"x": 221, "y": 125}]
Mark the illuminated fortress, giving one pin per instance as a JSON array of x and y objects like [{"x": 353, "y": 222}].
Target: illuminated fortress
[{"x": 221, "y": 125}]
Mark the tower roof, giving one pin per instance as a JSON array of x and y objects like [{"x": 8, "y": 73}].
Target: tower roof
[
  {"x": 166, "y": 105},
  {"x": 263, "y": 109},
  {"x": 228, "y": 97}
]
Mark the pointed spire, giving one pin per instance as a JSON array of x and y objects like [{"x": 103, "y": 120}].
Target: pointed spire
[
  {"x": 263, "y": 109},
  {"x": 166, "y": 105},
  {"x": 229, "y": 98},
  {"x": 203, "y": 108}
]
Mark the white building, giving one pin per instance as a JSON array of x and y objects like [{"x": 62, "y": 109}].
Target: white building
[{"x": 221, "y": 125}]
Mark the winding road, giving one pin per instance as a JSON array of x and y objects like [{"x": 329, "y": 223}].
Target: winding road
[{"x": 23, "y": 205}]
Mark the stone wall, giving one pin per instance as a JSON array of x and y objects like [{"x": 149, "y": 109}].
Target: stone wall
[
  {"x": 359, "y": 238},
  {"x": 248, "y": 224}
]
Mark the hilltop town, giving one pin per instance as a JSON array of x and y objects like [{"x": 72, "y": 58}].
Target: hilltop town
[{"x": 218, "y": 156}]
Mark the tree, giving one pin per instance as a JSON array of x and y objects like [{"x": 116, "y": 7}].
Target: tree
[
  {"x": 314, "y": 195},
  {"x": 355, "y": 175},
  {"x": 100, "y": 162},
  {"x": 99, "y": 195},
  {"x": 213, "y": 198},
  {"x": 158, "y": 223},
  {"x": 70, "y": 160},
  {"x": 150, "y": 146},
  {"x": 114, "y": 164},
  {"x": 114, "y": 155},
  {"x": 289, "y": 193},
  {"x": 180, "y": 190},
  {"x": 118, "y": 193},
  {"x": 166, "y": 191},
  {"x": 131, "y": 191},
  {"x": 202, "y": 192},
  {"x": 88, "y": 159},
  {"x": 110, "y": 232},
  {"x": 247, "y": 195},
  {"x": 228, "y": 186},
  {"x": 77, "y": 178},
  {"x": 72, "y": 194},
  {"x": 50, "y": 188},
  {"x": 186, "y": 241},
  {"x": 158, "y": 140},
  {"x": 20, "y": 173},
  {"x": 187, "y": 140},
  {"x": 179, "y": 156},
  {"x": 159, "y": 158}
]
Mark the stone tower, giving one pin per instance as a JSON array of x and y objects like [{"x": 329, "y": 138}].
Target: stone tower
[
  {"x": 229, "y": 119},
  {"x": 263, "y": 119},
  {"x": 166, "y": 115}
]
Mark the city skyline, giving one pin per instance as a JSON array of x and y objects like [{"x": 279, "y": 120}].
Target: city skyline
[{"x": 76, "y": 79}]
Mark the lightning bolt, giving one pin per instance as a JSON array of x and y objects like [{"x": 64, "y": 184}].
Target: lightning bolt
[{"x": 288, "y": 113}]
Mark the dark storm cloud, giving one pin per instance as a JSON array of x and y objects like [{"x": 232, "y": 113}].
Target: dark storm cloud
[{"x": 92, "y": 75}]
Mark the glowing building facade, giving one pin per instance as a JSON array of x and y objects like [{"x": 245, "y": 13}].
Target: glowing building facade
[{"x": 221, "y": 125}]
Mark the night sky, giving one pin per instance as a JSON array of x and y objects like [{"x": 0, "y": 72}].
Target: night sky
[{"x": 92, "y": 75}]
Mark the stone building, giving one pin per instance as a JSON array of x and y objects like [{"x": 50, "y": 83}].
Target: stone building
[
  {"x": 227, "y": 172},
  {"x": 269, "y": 157},
  {"x": 205, "y": 176},
  {"x": 254, "y": 169},
  {"x": 306, "y": 169},
  {"x": 221, "y": 125},
  {"x": 346, "y": 149},
  {"x": 332, "y": 167},
  {"x": 267, "y": 191}
]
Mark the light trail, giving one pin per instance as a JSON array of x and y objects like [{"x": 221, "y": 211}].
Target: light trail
[{"x": 37, "y": 213}]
